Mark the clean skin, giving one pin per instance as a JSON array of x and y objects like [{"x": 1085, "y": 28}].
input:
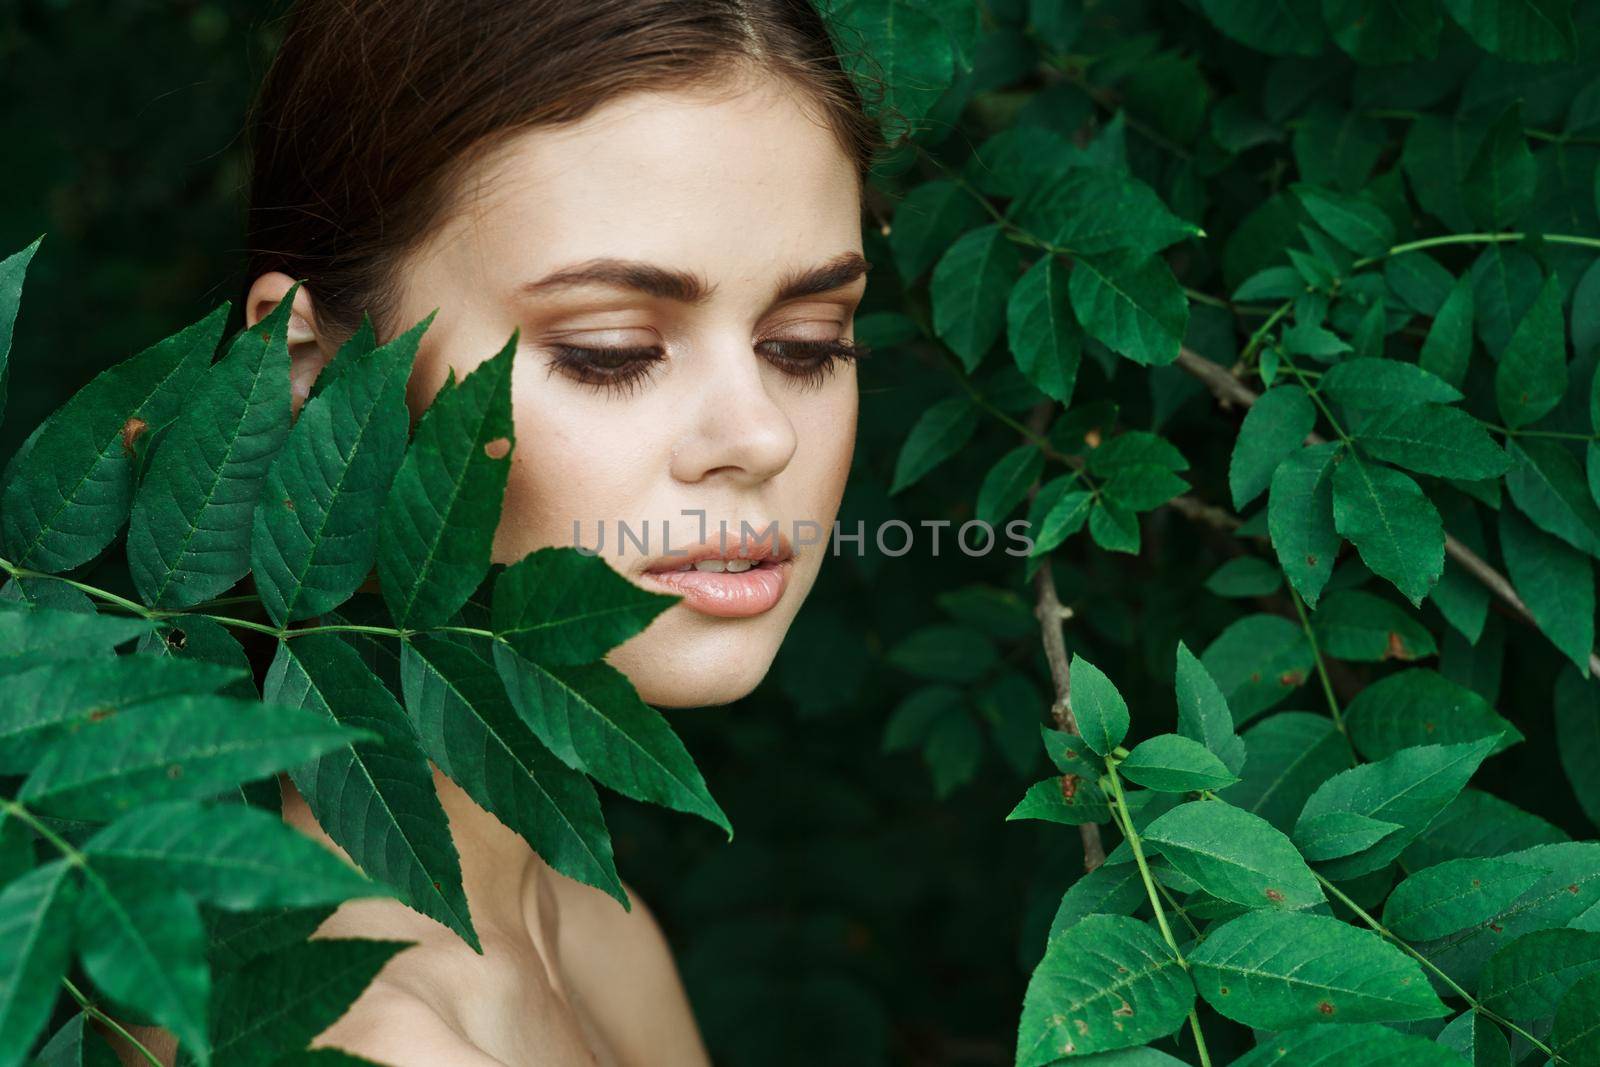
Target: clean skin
[{"x": 713, "y": 237}]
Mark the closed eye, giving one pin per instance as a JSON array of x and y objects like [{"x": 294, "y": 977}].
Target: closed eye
[{"x": 619, "y": 370}]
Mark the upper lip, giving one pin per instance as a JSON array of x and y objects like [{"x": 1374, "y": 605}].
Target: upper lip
[{"x": 757, "y": 547}]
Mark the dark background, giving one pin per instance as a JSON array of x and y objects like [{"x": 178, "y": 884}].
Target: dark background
[{"x": 860, "y": 917}]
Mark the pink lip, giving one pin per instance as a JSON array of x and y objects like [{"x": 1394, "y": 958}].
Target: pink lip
[{"x": 723, "y": 594}]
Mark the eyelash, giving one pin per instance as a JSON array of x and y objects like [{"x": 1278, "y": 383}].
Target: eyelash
[{"x": 809, "y": 362}]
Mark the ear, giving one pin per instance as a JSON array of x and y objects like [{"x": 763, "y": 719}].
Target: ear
[{"x": 309, "y": 349}]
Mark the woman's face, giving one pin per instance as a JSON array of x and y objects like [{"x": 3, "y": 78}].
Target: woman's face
[{"x": 680, "y": 267}]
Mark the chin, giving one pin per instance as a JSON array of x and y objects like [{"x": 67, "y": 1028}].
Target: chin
[{"x": 687, "y": 660}]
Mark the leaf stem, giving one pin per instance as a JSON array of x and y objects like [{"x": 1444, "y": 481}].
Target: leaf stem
[
  {"x": 1322, "y": 667},
  {"x": 93, "y": 1012},
  {"x": 21, "y": 573},
  {"x": 1455, "y": 986}
]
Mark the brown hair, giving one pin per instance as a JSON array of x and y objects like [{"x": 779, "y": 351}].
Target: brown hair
[{"x": 373, "y": 109}]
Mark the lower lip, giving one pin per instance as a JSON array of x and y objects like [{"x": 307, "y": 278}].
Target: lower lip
[{"x": 727, "y": 596}]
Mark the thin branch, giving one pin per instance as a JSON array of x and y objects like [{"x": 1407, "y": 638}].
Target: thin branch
[
  {"x": 1225, "y": 387},
  {"x": 1050, "y": 613}
]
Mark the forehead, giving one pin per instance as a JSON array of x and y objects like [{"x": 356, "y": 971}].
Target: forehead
[{"x": 738, "y": 179}]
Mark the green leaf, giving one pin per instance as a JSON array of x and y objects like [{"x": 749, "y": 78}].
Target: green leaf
[
  {"x": 1576, "y": 1036},
  {"x": 1132, "y": 304},
  {"x": 1280, "y": 969},
  {"x": 899, "y": 48},
  {"x": 190, "y": 746},
  {"x": 469, "y": 728},
  {"x": 1102, "y": 714},
  {"x": 969, "y": 289},
  {"x": 76, "y": 1045},
  {"x": 1096, "y": 211},
  {"x": 944, "y": 653},
  {"x": 66, "y": 497},
  {"x": 1257, "y": 662},
  {"x": 1385, "y": 31},
  {"x": 36, "y": 931},
  {"x": 1117, "y": 889},
  {"x": 142, "y": 942},
  {"x": 1501, "y": 178},
  {"x": 939, "y": 433},
  {"x": 1527, "y": 978},
  {"x": 1433, "y": 439},
  {"x": 1064, "y": 518},
  {"x": 1480, "y": 1042},
  {"x": 1532, "y": 374},
  {"x": 1066, "y": 798},
  {"x": 1106, "y": 982},
  {"x": 1358, "y": 626},
  {"x": 277, "y": 1004},
  {"x": 228, "y": 855},
  {"x": 561, "y": 606},
  {"x": 1578, "y": 738},
  {"x": 12, "y": 271},
  {"x": 52, "y": 699},
  {"x": 1235, "y": 856},
  {"x": 1448, "y": 347},
  {"x": 1169, "y": 763},
  {"x": 1549, "y": 487},
  {"x": 1532, "y": 31},
  {"x": 1300, "y": 518},
  {"x": 1245, "y": 576},
  {"x": 1555, "y": 581},
  {"x": 1276, "y": 27},
  {"x": 592, "y": 719},
  {"x": 1203, "y": 713},
  {"x": 1339, "y": 833},
  {"x": 437, "y": 531},
  {"x": 189, "y": 536},
  {"x": 1454, "y": 895},
  {"x": 1409, "y": 788},
  {"x": 1394, "y": 527},
  {"x": 1275, "y": 426},
  {"x": 927, "y": 222},
  {"x": 1419, "y": 707},
  {"x": 376, "y": 799},
  {"x": 1368, "y": 385},
  {"x": 1358, "y": 224},
  {"x": 1340, "y": 1045},
  {"x": 1045, "y": 339},
  {"x": 1007, "y": 483},
  {"x": 315, "y": 533},
  {"x": 31, "y": 636},
  {"x": 1114, "y": 526}
]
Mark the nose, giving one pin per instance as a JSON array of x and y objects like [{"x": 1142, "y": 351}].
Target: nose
[{"x": 736, "y": 429}]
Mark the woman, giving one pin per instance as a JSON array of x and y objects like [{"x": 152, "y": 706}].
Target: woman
[{"x": 663, "y": 198}]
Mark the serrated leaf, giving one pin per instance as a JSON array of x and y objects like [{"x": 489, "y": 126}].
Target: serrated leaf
[
  {"x": 375, "y": 798},
  {"x": 36, "y": 931},
  {"x": 1280, "y": 969},
  {"x": 1420, "y": 707},
  {"x": 1393, "y": 525},
  {"x": 593, "y": 721},
  {"x": 228, "y": 855},
  {"x": 902, "y": 48},
  {"x": 1131, "y": 304},
  {"x": 277, "y": 1004},
  {"x": 1359, "y": 626},
  {"x": 1410, "y": 788},
  {"x": 939, "y": 433},
  {"x": 32, "y": 636},
  {"x": 1102, "y": 715},
  {"x": 1007, "y": 483},
  {"x": 1358, "y": 224},
  {"x": 1448, "y": 347},
  {"x": 1169, "y": 763},
  {"x": 1433, "y": 439},
  {"x": 1549, "y": 488},
  {"x": 1235, "y": 856},
  {"x": 189, "y": 535},
  {"x": 969, "y": 288},
  {"x": 1275, "y": 426},
  {"x": 563, "y": 606},
  {"x": 469, "y": 728},
  {"x": 1454, "y": 895},
  {"x": 927, "y": 222},
  {"x": 1300, "y": 518},
  {"x": 1114, "y": 526},
  {"x": 1106, "y": 982},
  {"x": 1532, "y": 374},
  {"x": 1338, "y": 1045},
  {"x": 76, "y": 1044},
  {"x": 1577, "y": 714},
  {"x": 1367, "y": 385},
  {"x": 1066, "y": 798},
  {"x": 1527, "y": 978},
  {"x": 190, "y": 746},
  {"x": 1576, "y": 1035},
  {"x": 66, "y": 497},
  {"x": 1106, "y": 890},
  {"x": 437, "y": 531},
  {"x": 1385, "y": 31},
  {"x": 1501, "y": 178},
  {"x": 13, "y": 269},
  {"x": 1531, "y": 31},
  {"x": 1245, "y": 576},
  {"x": 1043, "y": 335},
  {"x": 1203, "y": 713},
  {"x": 1480, "y": 1042},
  {"x": 1095, "y": 211},
  {"x": 1286, "y": 28},
  {"x": 944, "y": 653},
  {"x": 1257, "y": 662},
  {"x": 1339, "y": 833},
  {"x": 1555, "y": 581},
  {"x": 315, "y": 534},
  {"x": 1063, "y": 519}
]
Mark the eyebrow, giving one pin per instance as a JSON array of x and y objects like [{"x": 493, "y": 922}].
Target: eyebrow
[{"x": 686, "y": 287}]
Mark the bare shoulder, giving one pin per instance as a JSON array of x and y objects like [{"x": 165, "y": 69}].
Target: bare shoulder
[{"x": 391, "y": 1026}]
